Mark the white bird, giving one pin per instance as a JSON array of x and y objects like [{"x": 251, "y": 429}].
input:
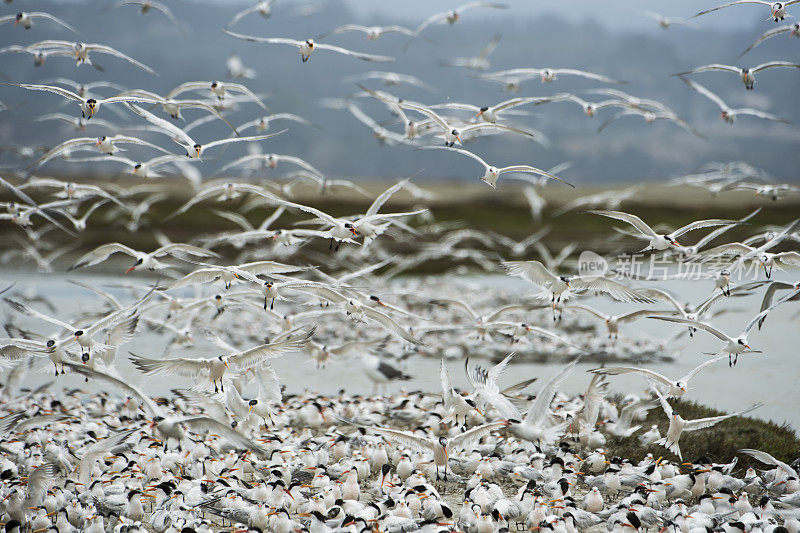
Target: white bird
[
  {"x": 143, "y": 260},
  {"x": 89, "y": 106},
  {"x": 536, "y": 427},
  {"x": 727, "y": 113},
  {"x": 455, "y": 404},
  {"x": 665, "y": 22},
  {"x": 146, "y": 5},
  {"x": 546, "y": 75},
  {"x": 777, "y": 9},
  {"x": 677, "y": 425},
  {"x": 747, "y": 75},
  {"x": 227, "y": 274},
  {"x": 217, "y": 88},
  {"x": 80, "y": 52},
  {"x": 452, "y": 134},
  {"x": 262, "y": 7},
  {"x": 101, "y": 448},
  {"x": 391, "y": 79},
  {"x": 734, "y": 345},
  {"x": 613, "y": 321},
  {"x": 492, "y": 173},
  {"x": 214, "y": 368},
  {"x": 658, "y": 241},
  {"x": 674, "y": 389},
  {"x": 105, "y": 144},
  {"x": 372, "y": 32},
  {"x": 25, "y": 20},
  {"x": 307, "y": 47},
  {"x": 793, "y": 29},
  {"x": 454, "y": 15},
  {"x": 194, "y": 150},
  {"x": 440, "y": 447},
  {"x": 536, "y": 273}
]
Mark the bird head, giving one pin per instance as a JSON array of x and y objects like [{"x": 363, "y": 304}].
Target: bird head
[
  {"x": 100, "y": 140},
  {"x": 91, "y": 103},
  {"x": 565, "y": 279},
  {"x": 681, "y": 386},
  {"x": 85, "y": 358},
  {"x": 482, "y": 110},
  {"x": 78, "y": 333},
  {"x": 136, "y": 264},
  {"x": 310, "y": 43},
  {"x": 743, "y": 342},
  {"x": 18, "y": 18},
  {"x": 351, "y": 228},
  {"x": 197, "y": 150},
  {"x": 224, "y": 360}
]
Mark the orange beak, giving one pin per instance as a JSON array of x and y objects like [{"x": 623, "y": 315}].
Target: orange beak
[{"x": 131, "y": 269}]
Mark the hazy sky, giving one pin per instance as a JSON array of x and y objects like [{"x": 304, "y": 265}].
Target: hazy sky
[{"x": 611, "y": 13}]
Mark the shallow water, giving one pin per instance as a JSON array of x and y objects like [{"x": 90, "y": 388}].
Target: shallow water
[{"x": 771, "y": 377}]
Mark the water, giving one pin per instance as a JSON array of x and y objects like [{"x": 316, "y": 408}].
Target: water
[{"x": 771, "y": 377}]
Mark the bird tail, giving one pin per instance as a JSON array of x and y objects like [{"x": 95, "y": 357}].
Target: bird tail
[{"x": 674, "y": 448}]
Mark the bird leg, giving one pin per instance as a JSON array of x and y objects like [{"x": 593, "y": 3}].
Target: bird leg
[
  {"x": 338, "y": 244},
  {"x": 330, "y": 245},
  {"x": 272, "y": 304},
  {"x": 215, "y": 385},
  {"x": 265, "y": 303}
]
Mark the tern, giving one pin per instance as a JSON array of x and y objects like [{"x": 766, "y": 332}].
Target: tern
[
  {"x": 492, "y": 173},
  {"x": 734, "y": 345},
  {"x": 106, "y": 145},
  {"x": 727, "y": 113},
  {"x": 146, "y": 5},
  {"x": 747, "y": 75},
  {"x": 677, "y": 425},
  {"x": 390, "y": 79},
  {"x": 440, "y": 447},
  {"x": 307, "y": 47},
  {"x": 673, "y": 389},
  {"x": 665, "y": 22},
  {"x": 547, "y": 75},
  {"x": 194, "y": 150},
  {"x": 477, "y": 63},
  {"x": 777, "y": 9},
  {"x": 217, "y": 88},
  {"x": 89, "y": 106},
  {"x": 262, "y": 7},
  {"x": 536, "y": 273},
  {"x": 371, "y": 32},
  {"x": 455, "y": 404},
  {"x": 25, "y": 20},
  {"x": 80, "y": 52},
  {"x": 452, "y": 134},
  {"x": 143, "y": 260},
  {"x": 658, "y": 241},
  {"x": 454, "y": 15},
  {"x": 613, "y": 321},
  {"x": 214, "y": 368}
]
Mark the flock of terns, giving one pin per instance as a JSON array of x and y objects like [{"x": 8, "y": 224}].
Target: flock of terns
[{"x": 231, "y": 449}]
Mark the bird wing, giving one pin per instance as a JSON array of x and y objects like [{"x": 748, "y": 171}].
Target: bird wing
[
  {"x": 241, "y": 14},
  {"x": 428, "y": 112},
  {"x": 541, "y": 405},
  {"x": 737, "y": 2},
  {"x": 269, "y": 386},
  {"x": 152, "y": 409},
  {"x": 269, "y": 267},
  {"x": 387, "y": 322},
  {"x": 694, "y": 323},
  {"x": 705, "y": 92},
  {"x": 382, "y": 198},
  {"x": 766, "y": 458},
  {"x": 459, "y": 150},
  {"x": 48, "y": 16},
  {"x": 696, "y": 370},
  {"x": 531, "y": 170},
  {"x": 664, "y": 403},
  {"x": 165, "y": 125},
  {"x": 633, "y": 220},
  {"x": 97, "y": 449},
  {"x": 766, "y": 35},
  {"x": 590, "y": 310},
  {"x": 447, "y": 385},
  {"x": 108, "y": 50},
  {"x": 760, "y": 316},
  {"x": 615, "y": 289},
  {"x": 180, "y": 366},
  {"x": 52, "y": 89},
  {"x": 457, "y": 303},
  {"x": 172, "y": 248},
  {"x": 531, "y": 271},
  {"x": 713, "y": 66},
  {"x": 585, "y": 74},
  {"x": 772, "y": 64},
  {"x": 31, "y": 312},
  {"x": 698, "y": 224},
  {"x": 258, "y": 354},
  {"x": 101, "y": 253},
  {"x": 359, "y": 55},
  {"x": 787, "y": 259},
  {"x": 463, "y": 440},
  {"x": 618, "y": 370},
  {"x": 759, "y": 114},
  {"x": 550, "y": 335},
  {"x": 224, "y": 431}
]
